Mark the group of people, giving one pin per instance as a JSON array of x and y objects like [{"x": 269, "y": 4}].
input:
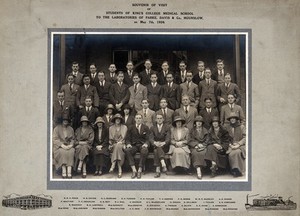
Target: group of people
[{"x": 191, "y": 117}]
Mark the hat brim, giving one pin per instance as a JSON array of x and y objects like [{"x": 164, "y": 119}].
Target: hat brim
[{"x": 174, "y": 122}]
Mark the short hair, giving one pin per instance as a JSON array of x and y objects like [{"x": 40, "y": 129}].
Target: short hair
[
  {"x": 182, "y": 62},
  {"x": 85, "y": 75},
  {"x": 201, "y": 62},
  {"x": 136, "y": 74},
  {"x": 185, "y": 96},
  {"x": 129, "y": 62},
  {"x": 101, "y": 72},
  {"x": 165, "y": 62},
  {"x": 207, "y": 68},
  {"x": 145, "y": 100},
  {"x": 60, "y": 91},
  {"x": 88, "y": 97},
  {"x": 164, "y": 99},
  {"x": 138, "y": 114},
  {"x": 120, "y": 72},
  {"x": 153, "y": 73},
  {"x": 227, "y": 74},
  {"x": 220, "y": 61},
  {"x": 93, "y": 64},
  {"x": 208, "y": 98},
  {"x": 113, "y": 64},
  {"x": 158, "y": 114},
  {"x": 191, "y": 72},
  {"x": 170, "y": 74},
  {"x": 70, "y": 74},
  {"x": 232, "y": 95},
  {"x": 75, "y": 62},
  {"x": 148, "y": 60}
]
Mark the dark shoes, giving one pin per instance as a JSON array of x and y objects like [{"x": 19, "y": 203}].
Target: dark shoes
[
  {"x": 236, "y": 173},
  {"x": 134, "y": 174},
  {"x": 83, "y": 175},
  {"x": 139, "y": 175},
  {"x": 213, "y": 169},
  {"x": 164, "y": 169},
  {"x": 120, "y": 175},
  {"x": 157, "y": 175}
]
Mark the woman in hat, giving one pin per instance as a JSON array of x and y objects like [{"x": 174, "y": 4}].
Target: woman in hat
[
  {"x": 109, "y": 113},
  {"x": 117, "y": 134},
  {"x": 63, "y": 147},
  {"x": 179, "y": 144},
  {"x": 218, "y": 144},
  {"x": 198, "y": 143},
  {"x": 100, "y": 146},
  {"x": 128, "y": 118},
  {"x": 84, "y": 137},
  {"x": 237, "y": 150}
]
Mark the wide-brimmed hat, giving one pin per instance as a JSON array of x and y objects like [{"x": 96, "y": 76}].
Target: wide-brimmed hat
[
  {"x": 110, "y": 106},
  {"x": 233, "y": 115},
  {"x": 117, "y": 116},
  {"x": 198, "y": 119},
  {"x": 99, "y": 120},
  {"x": 215, "y": 119},
  {"x": 178, "y": 118},
  {"x": 127, "y": 106},
  {"x": 84, "y": 118}
]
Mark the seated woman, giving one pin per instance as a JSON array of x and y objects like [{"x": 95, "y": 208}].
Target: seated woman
[
  {"x": 237, "y": 150},
  {"x": 218, "y": 144},
  {"x": 63, "y": 147},
  {"x": 100, "y": 146},
  {"x": 198, "y": 144},
  {"x": 117, "y": 134},
  {"x": 128, "y": 117},
  {"x": 179, "y": 145},
  {"x": 84, "y": 137}
]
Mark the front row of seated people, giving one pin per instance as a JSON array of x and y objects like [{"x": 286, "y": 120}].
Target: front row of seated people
[{"x": 197, "y": 146}]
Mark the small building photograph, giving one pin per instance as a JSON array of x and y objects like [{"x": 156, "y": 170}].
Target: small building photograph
[{"x": 27, "y": 202}]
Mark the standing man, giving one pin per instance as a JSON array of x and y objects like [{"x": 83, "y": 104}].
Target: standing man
[
  {"x": 154, "y": 91},
  {"x": 191, "y": 89},
  {"x": 87, "y": 90},
  {"x": 162, "y": 76},
  {"x": 70, "y": 89},
  {"x": 166, "y": 112},
  {"x": 77, "y": 75},
  {"x": 208, "y": 89},
  {"x": 88, "y": 110},
  {"x": 129, "y": 74},
  {"x": 138, "y": 93},
  {"x": 60, "y": 109},
  {"x": 199, "y": 76},
  {"x": 171, "y": 92},
  {"x": 137, "y": 140},
  {"x": 229, "y": 108},
  {"x": 187, "y": 112},
  {"x": 111, "y": 76},
  {"x": 145, "y": 74},
  {"x": 93, "y": 74},
  {"x": 119, "y": 94},
  {"x": 219, "y": 76},
  {"x": 208, "y": 113},
  {"x": 181, "y": 75},
  {"x": 147, "y": 114},
  {"x": 103, "y": 89}
]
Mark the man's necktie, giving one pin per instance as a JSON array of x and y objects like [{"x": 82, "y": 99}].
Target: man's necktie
[
  {"x": 186, "y": 110},
  {"x": 135, "y": 88}
]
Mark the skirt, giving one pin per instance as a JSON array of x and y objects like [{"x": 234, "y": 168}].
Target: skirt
[
  {"x": 180, "y": 158},
  {"x": 63, "y": 157}
]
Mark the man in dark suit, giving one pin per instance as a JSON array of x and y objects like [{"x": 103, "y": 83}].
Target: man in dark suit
[
  {"x": 226, "y": 89},
  {"x": 103, "y": 88},
  {"x": 191, "y": 89},
  {"x": 77, "y": 75},
  {"x": 60, "y": 109},
  {"x": 208, "y": 89},
  {"x": 93, "y": 74},
  {"x": 230, "y": 108},
  {"x": 219, "y": 75},
  {"x": 154, "y": 92},
  {"x": 119, "y": 94},
  {"x": 208, "y": 113},
  {"x": 166, "y": 112},
  {"x": 199, "y": 76},
  {"x": 111, "y": 76},
  {"x": 128, "y": 75},
  {"x": 138, "y": 93},
  {"x": 180, "y": 76},
  {"x": 87, "y": 90},
  {"x": 89, "y": 111},
  {"x": 172, "y": 93},
  {"x": 145, "y": 74},
  {"x": 160, "y": 141},
  {"x": 162, "y": 76},
  {"x": 137, "y": 140}
]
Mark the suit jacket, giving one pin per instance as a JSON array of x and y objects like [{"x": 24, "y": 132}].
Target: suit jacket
[
  {"x": 162, "y": 136},
  {"x": 222, "y": 138},
  {"x": 178, "y": 79},
  {"x": 145, "y": 78},
  {"x": 119, "y": 94},
  {"x": 137, "y": 139},
  {"x": 225, "y": 113},
  {"x": 135, "y": 100},
  {"x": 207, "y": 117},
  {"x": 220, "y": 79},
  {"x": 77, "y": 79},
  {"x": 93, "y": 80},
  {"x": 192, "y": 90},
  {"x": 189, "y": 117},
  {"x": 92, "y": 114},
  {"x": 208, "y": 91},
  {"x": 223, "y": 92},
  {"x": 184, "y": 138},
  {"x": 103, "y": 91},
  {"x": 102, "y": 141},
  {"x": 149, "y": 118},
  {"x": 168, "y": 116},
  {"x": 154, "y": 96},
  {"x": 198, "y": 137},
  {"x": 70, "y": 94},
  {"x": 110, "y": 79},
  {"x": 129, "y": 121},
  {"x": 60, "y": 111},
  {"x": 128, "y": 79},
  {"x": 82, "y": 93},
  {"x": 173, "y": 95},
  {"x": 197, "y": 78},
  {"x": 161, "y": 78}
]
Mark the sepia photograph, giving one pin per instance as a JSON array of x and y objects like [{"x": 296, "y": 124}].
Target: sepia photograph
[{"x": 149, "y": 106}]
